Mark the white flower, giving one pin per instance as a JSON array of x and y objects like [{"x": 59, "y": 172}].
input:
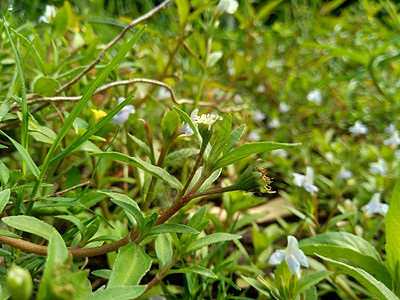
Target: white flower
[
  {"x": 358, "y": 128},
  {"x": 207, "y": 119},
  {"x": 228, "y": 6},
  {"x": 261, "y": 89},
  {"x": 258, "y": 116},
  {"x": 391, "y": 128},
  {"x": 283, "y": 107},
  {"x": 282, "y": 153},
  {"x": 307, "y": 181},
  {"x": 393, "y": 141},
  {"x": 163, "y": 93},
  {"x": 253, "y": 136},
  {"x": 49, "y": 14},
  {"x": 378, "y": 167},
  {"x": 375, "y": 206},
  {"x": 315, "y": 96},
  {"x": 186, "y": 129},
  {"x": 123, "y": 115},
  {"x": 274, "y": 123},
  {"x": 293, "y": 255},
  {"x": 238, "y": 99},
  {"x": 345, "y": 174}
]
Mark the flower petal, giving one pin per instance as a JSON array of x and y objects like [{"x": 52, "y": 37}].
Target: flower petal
[
  {"x": 298, "y": 179},
  {"x": 277, "y": 257},
  {"x": 294, "y": 264}
]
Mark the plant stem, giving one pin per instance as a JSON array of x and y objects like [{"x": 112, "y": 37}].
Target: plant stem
[{"x": 196, "y": 166}]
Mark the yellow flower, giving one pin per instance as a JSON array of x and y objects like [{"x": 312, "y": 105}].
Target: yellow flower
[{"x": 98, "y": 114}]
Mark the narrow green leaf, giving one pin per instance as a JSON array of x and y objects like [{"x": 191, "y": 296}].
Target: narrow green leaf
[
  {"x": 175, "y": 157},
  {"x": 4, "y": 174},
  {"x": 311, "y": 280},
  {"x": 86, "y": 96},
  {"x": 74, "y": 220},
  {"x": 164, "y": 250},
  {"x": 92, "y": 130},
  {"x": 169, "y": 123},
  {"x": 45, "y": 86},
  {"x": 145, "y": 166},
  {"x": 211, "y": 239},
  {"x": 133, "y": 211},
  {"x": 221, "y": 141},
  {"x": 141, "y": 144},
  {"x": 235, "y": 137},
  {"x": 393, "y": 238},
  {"x": 4, "y": 198},
  {"x": 177, "y": 228},
  {"x": 194, "y": 270},
  {"x": 185, "y": 117},
  {"x": 183, "y": 11},
  {"x": 25, "y": 155},
  {"x": 267, "y": 9},
  {"x": 258, "y": 286},
  {"x": 131, "y": 265},
  {"x": 246, "y": 150},
  {"x": 118, "y": 293},
  {"x": 366, "y": 279},
  {"x": 31, "y": 225},
  {"x": 103, "y": 273}
]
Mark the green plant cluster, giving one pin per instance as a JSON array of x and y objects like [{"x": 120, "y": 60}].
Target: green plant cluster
[{"x": 143, "y": 145}]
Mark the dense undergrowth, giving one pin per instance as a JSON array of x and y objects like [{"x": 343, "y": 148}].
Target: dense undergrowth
[{"x": 199, "y": 149}]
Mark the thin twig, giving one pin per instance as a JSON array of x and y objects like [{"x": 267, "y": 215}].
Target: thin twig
[
  {"x": 112, "y": 43},
  {"x": 68, "y": 189}
]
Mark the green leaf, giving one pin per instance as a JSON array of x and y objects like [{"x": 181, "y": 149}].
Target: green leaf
[
  {"x": 393, "y": 238},
  {"x": 92, "y": 130},
  {"x": 185, "y": 117},
  {"x": 183, "y": 11},
  {"x": 177, "y": 228},
  {"x": 133, "y": 210},
  {"x": 164, "y": 250},
  {"x": 74, "y": 220},
  {"x": 366, "y": 279},
  {"x": 343, "y": 245},
  {"x": 214, "y": 58},
  {"x": 221, "y": 141},
  {"x": 141, "y": 145},
  {"x": 194, "y": 270},
  {"x": 246, "y": 150},
  {"x": 81, "y": 104},
  {"x": 4, "y": 198},
  {"x": 169, "y": 124},
  {"x": 176, "y": 156},
  {"x": 311, "y": 280},
  {"x": 31, "y": 225},
  {"x": 258, "y": 286},
  {"x": 118, "y": 293},
  {"x": 103, "y": 273},
  {"x": 25, "y": 155},
  {"x": 4, "y": 174},
  {"x": 131, "y": 265},
  {"x": 145, "y": 166},
  {"x": 211, "y": 239},
  {"x": 45, "y": 86},
  {"x": 235, "y": 137},
  {"x": 267, "y": 9}
]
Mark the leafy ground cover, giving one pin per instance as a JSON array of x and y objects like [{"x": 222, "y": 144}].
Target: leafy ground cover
[{"x": 143, "y": 143}]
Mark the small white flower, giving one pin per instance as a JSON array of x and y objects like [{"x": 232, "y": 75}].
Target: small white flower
[
  {"x": 375, "y": 206},
  {"x": 358, "y": 128},
  {"x": 10, "y": 8},
  {"x": 238, "y": 99},
  {"x": 345, "y": 174},
  {"x": 261, "y": 89},
  {"x": 293, "y": 255},
  {"x": 378, "y": 167},
  {"x": 393, "y": 141},
  {"x": 253, "y": 136},
  {"x": 283, "y": 107},
  {"x": 123, "y": 115},
  {"x": 391, "y": 128},
  {"x": 307, "y": 181},
  {"x": 207, "y": 119},
  {"x": 186, "y": 129},
  {"x": 258, "y": 116},
  {"x": 228, "y": 6},
  {"x": 282, "y": 153},
  {"x": 274, "y": 123},
  {"x": 163, "y": 93},
  {"x": 315, "y": 96},
  {"x": 49, "y": 14}
]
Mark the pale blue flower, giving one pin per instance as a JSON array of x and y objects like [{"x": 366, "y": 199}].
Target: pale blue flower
[
  {"x": 375, "y": 206},
  {"x": 253, "y": 136},
  {"x": 358, "y": 128},
  {"x": 227, "y": 6},
  {"x": 274, "y": 123},
  {"x": 49, "y": 14},
  {"x": 282, "y": 153},
  {"x": 123, "y": 115},
  {"x": 307, "y": 181},
  {"x": 163, "y": 93},
  {"x": 391, "y": 128},
  {"x": 293, "y": 255},
  {"x": 393, "y": 141},
  {"x": 378, "y": 167},
  {"x": 258, "y": 116},
  {"x": 261, "y": 89},
  {"x": 186, "y": 129},
  {"x": 315, "y": 96},
  {"x": 283, "y": 107},
  {"x": 345, "y": 174},
  {"x": 238, "y": 99}
]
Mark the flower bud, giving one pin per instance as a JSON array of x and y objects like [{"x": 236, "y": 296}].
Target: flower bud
[
  {"x": 254, "y": 179},
  {"x": 19, "y": 282}
]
